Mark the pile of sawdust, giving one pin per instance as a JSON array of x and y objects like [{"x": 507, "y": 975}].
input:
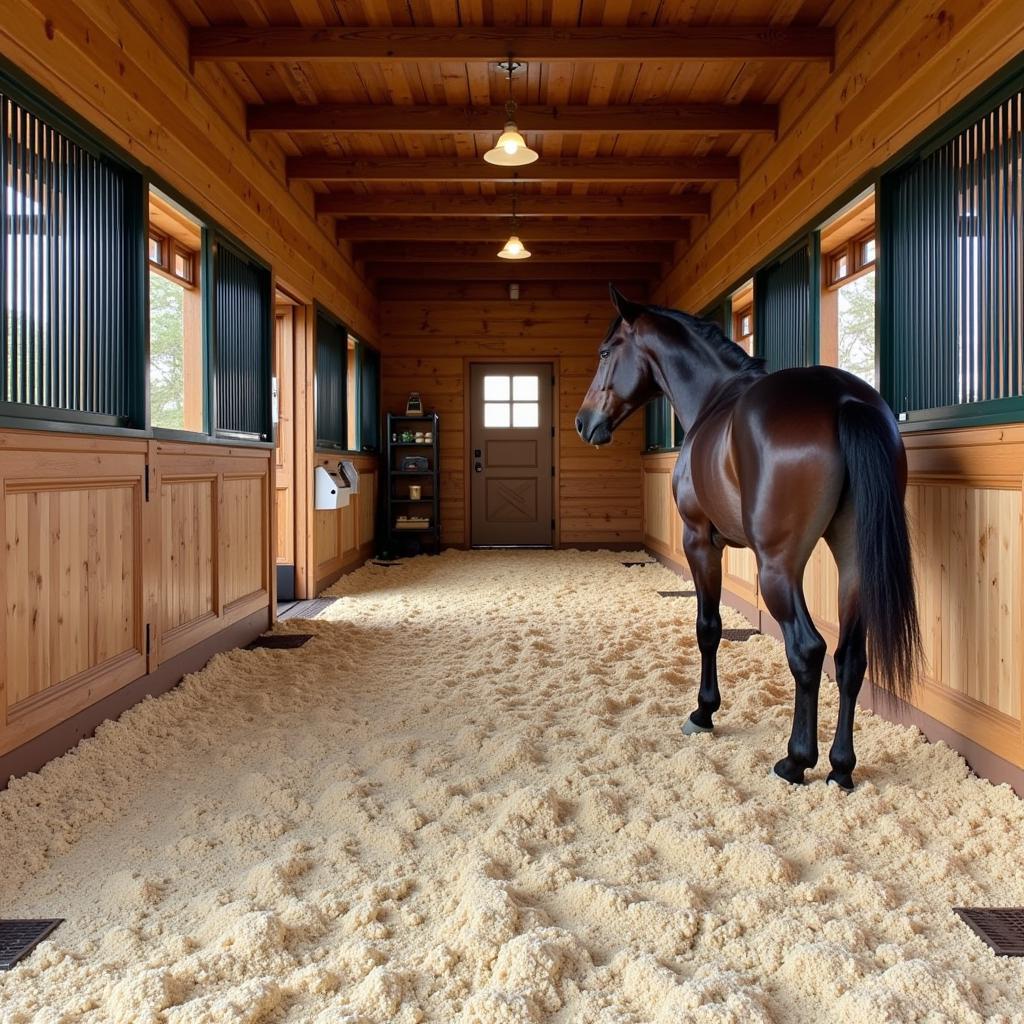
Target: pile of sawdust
[{"x": 468, "y": 800}]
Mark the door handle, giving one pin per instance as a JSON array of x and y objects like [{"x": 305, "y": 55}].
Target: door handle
[{"x": 478, "y": 467}]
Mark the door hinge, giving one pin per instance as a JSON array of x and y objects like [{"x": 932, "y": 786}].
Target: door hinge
[{"x": 149, "y": 639}]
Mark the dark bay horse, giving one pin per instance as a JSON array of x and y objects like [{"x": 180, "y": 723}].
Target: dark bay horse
[{"x": 774, "y": 462}]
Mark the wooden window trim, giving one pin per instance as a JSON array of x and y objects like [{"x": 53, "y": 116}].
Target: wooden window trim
[
  {"x": 856, "y": 266},
  {"x": 170, "y": 248}
]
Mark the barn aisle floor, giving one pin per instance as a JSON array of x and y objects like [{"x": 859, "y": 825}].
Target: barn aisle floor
[{"x": 468, "y": 800}]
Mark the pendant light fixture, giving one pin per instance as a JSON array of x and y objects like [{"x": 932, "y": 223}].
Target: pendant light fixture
[
  {"x": 511, "y": 149},
  {"x": 514, "y": 248}
]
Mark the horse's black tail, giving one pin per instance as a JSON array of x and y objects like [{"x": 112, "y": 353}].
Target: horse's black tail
[{"x": 872, "y": 449}]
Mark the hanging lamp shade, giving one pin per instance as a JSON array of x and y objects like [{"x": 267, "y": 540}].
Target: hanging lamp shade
[
  {"x": 514, "y": 250},
  {"x": 511, "y": 149}
]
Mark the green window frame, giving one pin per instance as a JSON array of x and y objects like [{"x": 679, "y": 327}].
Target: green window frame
[
  {"x": 950, "y": 257},
  {"x": 72, "y": 273}
]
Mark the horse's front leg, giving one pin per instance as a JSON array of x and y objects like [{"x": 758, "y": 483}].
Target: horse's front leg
[{"x": 705, "y": 561}]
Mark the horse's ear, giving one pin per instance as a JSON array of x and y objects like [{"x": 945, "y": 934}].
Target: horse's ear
[{"x": 629, "y": 311}]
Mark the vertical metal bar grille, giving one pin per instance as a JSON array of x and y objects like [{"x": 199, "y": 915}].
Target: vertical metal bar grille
[
  {"x": 658, "y": 423},
  {"x": 782, "y": 293},
  {"x": 952, "y": 253},
  {"x": 69, "y": 252},
  {"x": 330, "y": 389},
  {"x": 369, "y": 398},
  {"x": 241, "y": 324}
]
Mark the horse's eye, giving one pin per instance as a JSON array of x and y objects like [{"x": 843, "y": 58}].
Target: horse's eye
[{"x": 604, "y": 354}]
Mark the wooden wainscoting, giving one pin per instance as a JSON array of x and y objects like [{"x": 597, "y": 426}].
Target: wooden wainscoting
[
  {"x": 211, "y": 545},
  {"x": 118, "y": 555},
  {"x": 965, "y": 503},
  {"x": 344, "y": 538}
]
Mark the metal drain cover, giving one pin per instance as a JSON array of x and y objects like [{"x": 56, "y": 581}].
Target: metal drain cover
[
  {"x": 739, "y": 634},
  {"x": 1001, "y": 927},
  {"x": 19, "y": 938},
  {"x": 280, "y": 641},
  {"x": 677, "y": 593}
]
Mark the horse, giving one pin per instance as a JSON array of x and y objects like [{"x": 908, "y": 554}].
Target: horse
[{"x": 773, "y": 462}]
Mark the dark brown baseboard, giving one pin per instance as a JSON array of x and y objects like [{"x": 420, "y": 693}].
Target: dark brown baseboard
[
  {"x": 31, "y": 756},
  {"x": 980, "y": 760}
]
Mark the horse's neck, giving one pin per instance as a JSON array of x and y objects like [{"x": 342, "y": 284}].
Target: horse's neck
[{"x": 692, "y": 375}]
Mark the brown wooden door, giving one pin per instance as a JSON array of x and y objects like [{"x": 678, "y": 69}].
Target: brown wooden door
[
  {"x": 510, "y": 453},
  {"x": 284, "y": 487}
]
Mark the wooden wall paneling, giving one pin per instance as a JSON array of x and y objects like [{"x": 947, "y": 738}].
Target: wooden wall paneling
[
  {"x": 116, "y": 65},
  {"x": 214, "y": 553},
  {"x": 243, "y": 537},
  {"x": 71, "y": 586},
  {"x": 426, "y": 345},
  {"x": 890, "y": 82},
  {"x": 345, "y": 538}
]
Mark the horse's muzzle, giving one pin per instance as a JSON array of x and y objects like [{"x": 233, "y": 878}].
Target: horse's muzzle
[{"x": 594, "y": 427}]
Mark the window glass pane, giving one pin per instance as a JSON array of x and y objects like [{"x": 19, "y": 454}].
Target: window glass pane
[
  {"x": 496, "y": 389},
  {"x": 867, "y": 251},
  {"x": 496, "y": 414},
  {"x": 745, "y": 326},
  {"x": 353, "y": 440},
  {"x": 840, "y": 267},
  {"x": 525, "y": 389},
  {"x": 177, "y": 375},
  {"x": 857, "y": 328},
  {"x": 175, "y": 356},
  {"x": 525, "y": 414}
]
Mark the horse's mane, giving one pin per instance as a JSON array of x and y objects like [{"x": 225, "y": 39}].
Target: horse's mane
[{"x": 734, "y": 356}]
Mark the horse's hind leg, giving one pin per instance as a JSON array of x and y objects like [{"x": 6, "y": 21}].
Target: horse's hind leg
[
  {"x": 805, "y": 651},
  {"x": 852, "y": 652},
  {"x": 705, "y": 561}
]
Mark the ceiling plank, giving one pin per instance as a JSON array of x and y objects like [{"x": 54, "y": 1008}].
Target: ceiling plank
[
  {"x": 503, "y": 270},
  {"x": 378, "y": 119},
  {"x": 613, "y": 43},
  {"x": 543, "y": 252},
  {"x": 690, "y": 204},
  {"x": 485, "y": 229},
  {"x": 406, "y": 170}
]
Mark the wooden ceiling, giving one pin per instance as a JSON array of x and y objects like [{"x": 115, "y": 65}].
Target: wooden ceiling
[{"x": 638, "y": 108}]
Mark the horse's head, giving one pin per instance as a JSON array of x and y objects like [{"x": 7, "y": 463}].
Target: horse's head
[{"x": 623, "y": 382}]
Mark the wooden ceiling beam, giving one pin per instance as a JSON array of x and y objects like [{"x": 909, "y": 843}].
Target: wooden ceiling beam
[
  {"x": 422, "y": 253},
  {"x": 388, "y": 119},
  {"x": 486, "y": 229},
  {"x": 668, "y": 169},
  {"x": 692, "y": 204},
  {"x": 538, "y": 43},
  {"x": 503, "y": 270}
]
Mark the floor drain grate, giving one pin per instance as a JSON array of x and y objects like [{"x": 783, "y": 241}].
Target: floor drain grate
[
  {"x": 19, "y": 938},
  {"x": 739, "y": 634},
  {"x": 630, "y": 565},
  {"x": 280, "y": 641},
  {"x": 677, "y": 593},
  {"x": 1001, "y": 927},
  {"x": 305, "y": 609}
]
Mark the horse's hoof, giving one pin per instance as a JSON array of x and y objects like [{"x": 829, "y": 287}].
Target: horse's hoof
[
  {"x": 691, "y": 728},
  {"x": 844, "y": 780},
  {"x": 789, "y": 770}
]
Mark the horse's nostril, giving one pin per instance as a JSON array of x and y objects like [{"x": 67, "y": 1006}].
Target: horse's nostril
[{"x": 579, "y": 424}]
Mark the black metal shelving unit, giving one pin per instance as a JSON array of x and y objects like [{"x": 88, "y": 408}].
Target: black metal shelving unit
[{"x": 413, "y": 541}]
